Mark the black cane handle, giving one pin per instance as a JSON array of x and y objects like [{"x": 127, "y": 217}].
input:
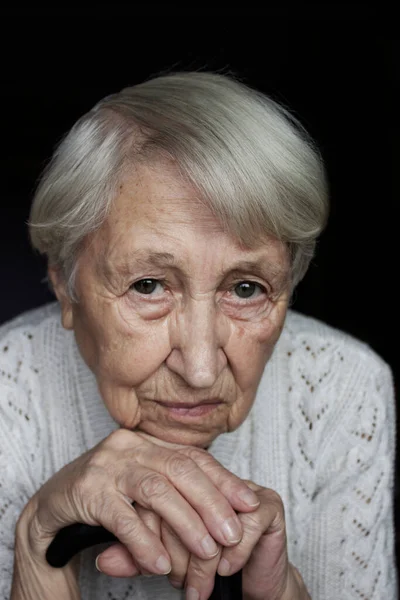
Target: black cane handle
[{"x": 74, "y": 538}]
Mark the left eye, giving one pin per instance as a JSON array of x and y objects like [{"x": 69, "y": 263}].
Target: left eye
[
  {"x": 248, "y": 289},
  {"x": 146, "y": 286}
]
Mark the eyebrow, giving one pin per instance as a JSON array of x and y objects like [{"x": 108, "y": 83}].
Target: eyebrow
[
  {"x": 146, "y": 258},
  {"x": 259, "y": 267}
]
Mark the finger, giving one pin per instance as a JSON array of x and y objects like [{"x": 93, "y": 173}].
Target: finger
[
  {"x": 170, "y": 478},
  {"x": 153, "y": 490},
  {"x": 232, "y": 487},
  {"x": 200, "y": 576},
  {"x": 240, "y": 493},
  {"x": 179, "y": 555},
  {"x": 117, "y": 561},
  {"x": 117, "y": 515},
  {"x": 151, "y": 519},
  {"x": 153, "y": 522},
  {"x": 266, "y": 525}
]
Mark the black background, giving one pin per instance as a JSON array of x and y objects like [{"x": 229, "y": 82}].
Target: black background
[{"x": 336, "y": 67}]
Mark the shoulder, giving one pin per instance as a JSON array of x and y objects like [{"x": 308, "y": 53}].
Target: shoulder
[
  {"x": 30, "y": 318},
  {"x": 30, "y": 349},
  {"x": 29, "y": 345},
  {"x": 26, "y": 342},
  {"x": 340, "y": 392},
  {"x": 341, "y": 441},
  {"x": 313, "y": 339},
  {"x": 23, "y": 336}
]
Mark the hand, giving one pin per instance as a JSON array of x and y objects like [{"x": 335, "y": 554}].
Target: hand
[
  {"x": 261, "y": 553},
  {"x": 188, "y": 570},
  {"x": 194, "y": 495}
]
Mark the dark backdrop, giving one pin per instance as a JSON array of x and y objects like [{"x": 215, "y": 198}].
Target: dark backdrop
[{"x": 336, "y": 68}]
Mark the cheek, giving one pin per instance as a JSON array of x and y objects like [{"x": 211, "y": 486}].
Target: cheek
[
  {"x": 118, "y": 348},
  {"x": 251, "y": 347}
]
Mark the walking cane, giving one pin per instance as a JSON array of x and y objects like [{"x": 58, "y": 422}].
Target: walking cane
[{"x": 76, "y": 537}]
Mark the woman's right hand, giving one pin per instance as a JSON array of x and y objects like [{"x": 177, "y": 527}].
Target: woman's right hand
[{"x": 191, "y": 492}]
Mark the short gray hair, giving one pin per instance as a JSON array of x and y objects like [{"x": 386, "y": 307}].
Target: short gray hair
[{"x": 251, "y": 160}]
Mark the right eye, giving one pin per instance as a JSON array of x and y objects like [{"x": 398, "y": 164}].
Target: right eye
[{"x": 146, "y": 286}]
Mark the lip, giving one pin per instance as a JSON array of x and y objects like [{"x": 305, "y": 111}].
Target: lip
[
  {"x": 189, "y": 404},
  {"x": 188, "y": 410}
]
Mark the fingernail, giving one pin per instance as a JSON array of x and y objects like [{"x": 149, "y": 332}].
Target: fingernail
[
  {"x": 232, "y": 530},
  {"x": 209, "y": 546},
  {"x": 176, "y": 584},
  {"x": 224, "y": 567},
  {"x": 249, "y": 497},
  {"x": 192, "y": 594},
  {"x": 96, "y": 563},
  {"x": 163, "y": 565}
]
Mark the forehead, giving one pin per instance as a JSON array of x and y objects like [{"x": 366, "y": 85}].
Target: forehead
[
  {"x": 156, "y": 211},
  {"x": 150, "y": 194}
]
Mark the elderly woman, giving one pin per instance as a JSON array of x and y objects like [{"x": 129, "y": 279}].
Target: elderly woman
[{"x": 169, "y": 395}]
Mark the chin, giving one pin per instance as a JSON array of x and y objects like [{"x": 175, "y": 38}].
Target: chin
[{"x": 185, "y": 437}]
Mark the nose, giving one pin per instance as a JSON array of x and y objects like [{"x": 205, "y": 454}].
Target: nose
[{"x": 198, "y": 336}]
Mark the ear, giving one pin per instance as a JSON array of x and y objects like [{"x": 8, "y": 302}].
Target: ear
[{"x": 60, "y": 290}]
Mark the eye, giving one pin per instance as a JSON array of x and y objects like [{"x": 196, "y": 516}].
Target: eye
[
  {"x": 146, "y": 286},
  {"x": 248, "y": 289}
]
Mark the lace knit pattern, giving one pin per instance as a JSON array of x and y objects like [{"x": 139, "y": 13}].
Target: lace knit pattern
[{"x": 321, "y": 433}]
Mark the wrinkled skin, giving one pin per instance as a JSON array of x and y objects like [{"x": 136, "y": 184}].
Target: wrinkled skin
[
  {"x": 173, "y": 309},
  {"x": 192, "y": 338}
]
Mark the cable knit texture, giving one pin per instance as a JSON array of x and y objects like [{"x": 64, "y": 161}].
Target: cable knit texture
[{"x": 321, "y": 433}]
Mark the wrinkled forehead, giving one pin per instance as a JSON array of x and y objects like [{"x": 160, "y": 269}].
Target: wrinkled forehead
[
  {"x": 156, "y": 213},
  {"x": 152, "y": 192}
]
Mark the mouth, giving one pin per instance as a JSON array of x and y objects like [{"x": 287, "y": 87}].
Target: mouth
[{"x": 188, "y": 409}]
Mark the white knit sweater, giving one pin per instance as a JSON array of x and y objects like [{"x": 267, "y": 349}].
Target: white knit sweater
[{"x": 321, "y": 433}]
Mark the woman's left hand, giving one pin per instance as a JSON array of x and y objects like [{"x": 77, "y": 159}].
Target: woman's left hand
[{"x": 261, "y": 554}]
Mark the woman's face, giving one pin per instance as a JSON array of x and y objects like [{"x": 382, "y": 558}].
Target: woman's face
[{"x": 175, "y": 318}]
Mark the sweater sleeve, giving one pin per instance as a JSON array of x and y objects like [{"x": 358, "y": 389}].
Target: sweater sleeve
[
  {"x": 343, "y": 444},
  {"x": 22, "y": 440}
]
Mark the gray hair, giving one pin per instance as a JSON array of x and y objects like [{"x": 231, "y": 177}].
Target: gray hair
[{"x": 250, "y": 159}]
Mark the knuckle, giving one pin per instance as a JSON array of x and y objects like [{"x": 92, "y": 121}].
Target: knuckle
[
  {"x": 125, "y": 526},
  {"x": 197, "y": 454},
  {"x": 118, "y": 439},
  {"x": 92, "y": 499},
  {"x": 254, "y": 524},
  {"x": 179, "y": 465},
  {"x": 198, "y": 570},
  {"x": 176, "y": 581},
  {"x": 275, "y": 499},
  {"x": 83, "y": 485},
  {"x": 97, "y": 460},
  {"x": 208, "y": 463},
  {"x": 154, "y": 486}
]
